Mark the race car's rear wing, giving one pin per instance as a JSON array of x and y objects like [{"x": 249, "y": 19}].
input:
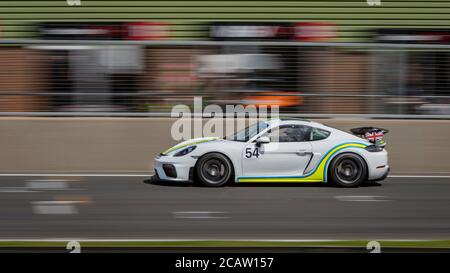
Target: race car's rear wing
[{"x": 372, "y": 134}]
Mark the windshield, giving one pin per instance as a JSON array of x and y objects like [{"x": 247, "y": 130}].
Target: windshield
[{"x": 246, "y": 134}]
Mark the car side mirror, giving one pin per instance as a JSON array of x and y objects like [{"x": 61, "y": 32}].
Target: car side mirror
[{"x": 262, "y": 140}]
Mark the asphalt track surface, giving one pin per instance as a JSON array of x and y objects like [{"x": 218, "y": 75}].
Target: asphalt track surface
[{"x": 132, "y": 208}]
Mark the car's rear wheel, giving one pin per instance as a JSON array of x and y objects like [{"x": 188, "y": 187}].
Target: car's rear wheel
[
  {"x": 347, "y": 170},
  {"x": 213, "y": 170}
]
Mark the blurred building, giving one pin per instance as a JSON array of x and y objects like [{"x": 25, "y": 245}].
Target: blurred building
[
  {"x": 418, "y": 79},
  {"x": 22, "y": 72},
  {"x": 96, "y": 77},
  {"x": 328, "y": 77}
]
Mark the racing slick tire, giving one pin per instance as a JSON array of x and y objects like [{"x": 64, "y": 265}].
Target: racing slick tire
[
  {"x": 213, "y": 170},
  {"x": 347, "y": 170}
]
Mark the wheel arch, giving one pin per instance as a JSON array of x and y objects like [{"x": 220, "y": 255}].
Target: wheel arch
[
  {"x": 233, "y": 168},
  {"x": 327, "y": 170}
]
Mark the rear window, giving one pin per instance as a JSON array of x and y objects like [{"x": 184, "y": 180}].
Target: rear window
[{"x": 319, "y": 134}]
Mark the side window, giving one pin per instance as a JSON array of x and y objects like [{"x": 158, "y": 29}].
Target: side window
[
  {"x": 319, "y": 134},
  {"x": 290, "y": 133}
]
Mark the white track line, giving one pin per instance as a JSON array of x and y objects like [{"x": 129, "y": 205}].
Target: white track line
[
  {"x": 47, "y": 184},
  {"x": 361, "y": 198},
  {"x": 58, "y": 202},
  {"x": 199, "y": 214},
  {"x": 49, "y": 180},
  {"x": 54, "y": 209},
  {"x": 419, "y": 176}
]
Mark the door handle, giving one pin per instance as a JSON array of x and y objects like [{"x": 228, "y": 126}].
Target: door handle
[{"x": 303, "y": 152}]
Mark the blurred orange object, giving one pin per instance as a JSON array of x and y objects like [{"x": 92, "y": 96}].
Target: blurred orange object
[{"x": 282, "y": 99}]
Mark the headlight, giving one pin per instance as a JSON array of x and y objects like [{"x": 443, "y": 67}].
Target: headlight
[
  {"x": 185, "y": 151},
  {"x": 160, "y": 155}
]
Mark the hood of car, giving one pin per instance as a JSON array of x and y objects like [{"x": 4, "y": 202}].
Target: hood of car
[{"x": 188, "y": 143}]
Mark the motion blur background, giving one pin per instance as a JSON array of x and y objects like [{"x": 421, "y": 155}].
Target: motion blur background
[
  {"x": 310, "y": 57},
  {"x": 317, "y": 59}
]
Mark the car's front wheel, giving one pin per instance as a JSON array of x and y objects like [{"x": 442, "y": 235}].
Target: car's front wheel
[
  {"x": 347, "y": 170},
  {"x": 213, "y": 170}
]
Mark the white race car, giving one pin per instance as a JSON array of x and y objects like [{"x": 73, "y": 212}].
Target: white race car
[{"x": 279, "y": 150}]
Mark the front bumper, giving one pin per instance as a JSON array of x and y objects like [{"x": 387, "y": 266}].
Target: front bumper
[{"x": 175, "y": 168}]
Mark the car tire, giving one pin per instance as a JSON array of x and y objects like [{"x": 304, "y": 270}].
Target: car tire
[
  {"x": 213, "y": 170},
  {"x": 347, "y": 170}
]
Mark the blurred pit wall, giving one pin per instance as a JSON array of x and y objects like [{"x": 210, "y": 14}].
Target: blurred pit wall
[{"x": 128, "y": 145}]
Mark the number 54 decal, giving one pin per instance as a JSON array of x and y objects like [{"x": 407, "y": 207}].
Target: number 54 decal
[{"x": 249, "y": 153}]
